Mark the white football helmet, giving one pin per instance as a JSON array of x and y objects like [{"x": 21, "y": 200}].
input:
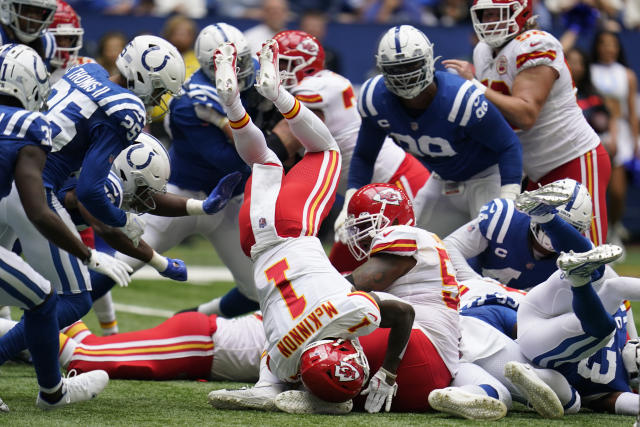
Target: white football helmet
[
  {"x": 144, "y": 169},
  {"x": 405, "y": 58},
  {"x": 577, "y": 212},
  {"x": 152, "y": 66},
  {"x": 510, "y": 19},
  {"x": 27, "y": 18},
  {"x": 210, "y": 38},
  {"x": 24, "y": 76}
]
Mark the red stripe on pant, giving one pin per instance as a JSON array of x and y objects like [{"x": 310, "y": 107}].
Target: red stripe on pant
[{"x": 188, "y": 367}]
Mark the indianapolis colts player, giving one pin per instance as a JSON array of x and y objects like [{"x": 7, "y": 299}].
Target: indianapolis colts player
[
  {"x": 25, "y": 22},
  {"x": 444, "y": 121},
  {"x": 24, "y": 144},
  {"x": 517, "y": 243}
]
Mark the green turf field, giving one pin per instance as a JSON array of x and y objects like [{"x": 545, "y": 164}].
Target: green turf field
[{"x": 136, "y": 403}]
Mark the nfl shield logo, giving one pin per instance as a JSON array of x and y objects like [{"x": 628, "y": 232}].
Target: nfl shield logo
[
  {"x": 262, "y": 222},
  {"x": 414, "y": 126}
]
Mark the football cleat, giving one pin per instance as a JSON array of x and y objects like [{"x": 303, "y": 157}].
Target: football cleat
[
  {"x": 224, "y": 61},
  {"x": 3, "y": 406},
  {"x": 268, "y": 80},
  {"x": 303, "y": 402},
  {"x": 578, "y": 267},
  {"x": 455, "y": 401},
  {"x": 261, "y": 398},
  {"x": 544, "y": 200},
  {"x": 77, "y": 388},
  {"x": 541, "y": 397}
]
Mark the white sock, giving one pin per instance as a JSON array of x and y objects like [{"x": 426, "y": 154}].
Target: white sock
[
  {"x": 310, "y": 130},
  {"x": 236, "y": 110},
  {"x": 6, "y": 325},
  {"x": 627, "y": 404},
  {"x": 67, "y": 347},
  {"x": 211, "y": 307},
  {"x": 106, "y": 314},
  {"x": 285, "y": 102},
  {"x": 267, "y": 378}
]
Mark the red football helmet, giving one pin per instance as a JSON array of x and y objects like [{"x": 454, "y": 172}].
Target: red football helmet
[
  {"x": 334, "y": 369},
  {"x": 68, "y": 33},
  {"x": 301, "y": 55},
  {"x": 508, "y": 19},
  {"x": 372, "y": 208}
]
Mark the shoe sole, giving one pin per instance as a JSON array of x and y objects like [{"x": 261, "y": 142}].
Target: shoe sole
[
  {"x": 541, "y": 397},
  {"x": 597, "y": 256},
  {"x": 471, "y": 407},
  {"x": 300, "y": 402},
  {"x": 232, "y": 402}
]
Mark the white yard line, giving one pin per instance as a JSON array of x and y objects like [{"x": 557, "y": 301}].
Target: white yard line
[{"x": 197, "y": 275}]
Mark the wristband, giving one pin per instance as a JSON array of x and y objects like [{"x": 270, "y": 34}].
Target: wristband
[
  {"x": 195, "y": 207},
  {"x": 158, "y": 262},
  {"x": 479, "y": 85}
]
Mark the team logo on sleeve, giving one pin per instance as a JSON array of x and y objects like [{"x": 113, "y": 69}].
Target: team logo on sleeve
[
  {"x": 346, "y": 372},
  {"x": 501, "y": 64},
  {"x": 389, "y": 196}
]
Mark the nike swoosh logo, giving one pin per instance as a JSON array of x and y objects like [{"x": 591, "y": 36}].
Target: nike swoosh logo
[
  {"x": 373, "y": 315},
  {"x": 386, "y": 233},
  {"x": 534, "y": 44}
]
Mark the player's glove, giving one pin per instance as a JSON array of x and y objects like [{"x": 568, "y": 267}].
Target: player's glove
[
  {"x": 176, "y": 270},
  {"x": 631, "y": 358},
  {"x": 338, "y": 226},
  {"x": 133, "y": 228},
  {"x": 379, "y": 391},
  {"x": 103, "y": 263},
  {"x": 218, "y": 197}
]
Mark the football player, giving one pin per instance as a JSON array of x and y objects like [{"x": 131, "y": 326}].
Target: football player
[
  {"x": 523, "y": 72},
  {"x": 444, "y": 121},
  {"x": 25, "y": 22},
  {"x": 92, "y": 119},
  {"x": 68, "y": 34},
  {"x": 279, "y": 220},
  {"x": 517, "y": 243},
  {"x": 23, "y": 149}
]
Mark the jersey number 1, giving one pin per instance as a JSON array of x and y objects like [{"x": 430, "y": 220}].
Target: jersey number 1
[{"x": 276, "y": 274}]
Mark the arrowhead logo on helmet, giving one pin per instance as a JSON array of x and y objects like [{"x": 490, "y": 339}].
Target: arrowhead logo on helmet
[
  {"x": 388, "y": 195},
  {"x": 346, "y": 372}
]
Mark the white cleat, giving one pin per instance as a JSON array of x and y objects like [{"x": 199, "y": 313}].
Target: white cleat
[
  {"x": 578, "y": 267},
  {"x": 544, "y": 199},
  {"x": 455, "y": 401},
  {"x": 3, "y": 406},
  {"x": 303, "y": 402},
  {"x": 224, "y": 61},
  {"x": 261, "y": 398},
  {"x": 77, "y": 388},
  {"x": 268, "y": 79},
  {"x": 541, "y": 397}
]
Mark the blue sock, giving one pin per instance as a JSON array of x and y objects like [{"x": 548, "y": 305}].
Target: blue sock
[
  {"x": 41, "y": 334},
  {"x": 491, "y": 392},
  {"x": 589, "y": 309},
  {"x": 68, "y": 309},
  {"x": 100, "y": 284},
  {"x": 233, "y": 304}
]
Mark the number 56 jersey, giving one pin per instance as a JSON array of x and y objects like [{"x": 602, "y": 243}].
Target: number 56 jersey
[{"x": 304, "y": 299}]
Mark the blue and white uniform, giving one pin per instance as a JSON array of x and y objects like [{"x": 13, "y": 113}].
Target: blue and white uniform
[
  {"x": 200, "y": 156},
  {"x": 45, "y": 45},
  {"x": 461, "y": 138},
  {"x": 20, "y": 284}
]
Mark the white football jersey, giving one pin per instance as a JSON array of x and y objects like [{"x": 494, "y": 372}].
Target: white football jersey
[
  {"x": 304, "y": 299},
  {"x": 430, "y": 286},
  {"x": 59, "y": 72},
  {"x": 561, "y": 132},
  {"x": 334, "y": 96}
]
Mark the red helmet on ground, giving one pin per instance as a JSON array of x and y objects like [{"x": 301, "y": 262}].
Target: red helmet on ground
[
  {"x": 300, "y": 54},
  {"x": 334, "y": 369},
  {"x": 510, "y": 19},
  {"x": 372, "y": 208},
  {"x": 68, "y": 33}
]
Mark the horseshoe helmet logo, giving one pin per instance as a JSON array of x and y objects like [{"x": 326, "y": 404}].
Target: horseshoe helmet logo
[
  {"x": 149, "y": 67},
  {"x": 146, "y": 162}
]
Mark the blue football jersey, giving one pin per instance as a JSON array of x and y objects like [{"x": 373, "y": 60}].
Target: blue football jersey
[
  {"x": 92, "y": 120},
  {"x": 604, "y": 372},
  {"x": 459, "y": 134},
  {"x": 508, "y": 257},
  {"x": 200, "y": 153},
  {"x": 19, "y": 128},
  {"x": 46, "y": 40}
]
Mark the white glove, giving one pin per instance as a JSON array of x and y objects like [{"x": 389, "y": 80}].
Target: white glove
[
  {"x": 338, "y": 226},
  {"x": 109, "y": 266},
  {"x": 379, "y": 391},
  {"x": 509, "y": 191},
  {"x": 134, "y": 228}
]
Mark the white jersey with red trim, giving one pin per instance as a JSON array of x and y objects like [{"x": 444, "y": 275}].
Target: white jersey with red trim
[
  {"x": 561, "y": 133},
  {"x": 334, "y": 96},
  {"x": 304, "y": 299},
  {"x": 430, "y": 286},
  {"x": 59, "y": 72}
]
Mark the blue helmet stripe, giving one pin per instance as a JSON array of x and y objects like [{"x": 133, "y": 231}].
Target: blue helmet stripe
[
  {"x": 397, "y": 39},
  {"x": 224, "y": 35},
  {"x": 574, "y": 196}
]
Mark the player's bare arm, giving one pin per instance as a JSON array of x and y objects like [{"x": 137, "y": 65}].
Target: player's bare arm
[
  {"x": 28, "y": 178},
  {"x": 380, "y": 271}
]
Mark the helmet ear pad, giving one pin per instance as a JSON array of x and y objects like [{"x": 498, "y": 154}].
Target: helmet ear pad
[{"x": 334, "y": 370}]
